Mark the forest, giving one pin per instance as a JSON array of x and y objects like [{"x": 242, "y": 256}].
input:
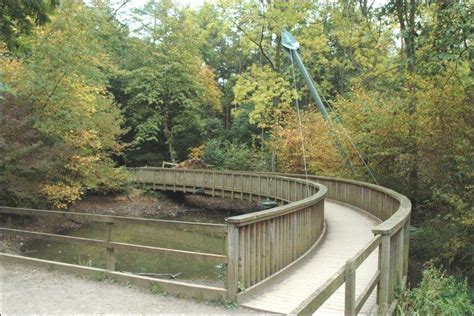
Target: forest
[{"x": 88, "y": 88}]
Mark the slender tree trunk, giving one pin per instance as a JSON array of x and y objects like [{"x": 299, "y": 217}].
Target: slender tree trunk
[
  {"x": 169, "y": 139},
  {"x": 406, "y": 12}
]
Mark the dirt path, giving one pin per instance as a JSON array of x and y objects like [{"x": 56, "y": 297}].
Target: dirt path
[{"x": 27, "y": 290}]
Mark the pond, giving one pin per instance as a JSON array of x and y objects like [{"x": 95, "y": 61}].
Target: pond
[{"x": 137, "y": 262}]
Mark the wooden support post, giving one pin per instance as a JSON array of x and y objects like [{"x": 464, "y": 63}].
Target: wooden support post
[
  {"x": 384, "y": 285},
  {"x": 349, "y": 302},
  {"x": 232, "y": 261},
  {"x": 110, "y": 250}
]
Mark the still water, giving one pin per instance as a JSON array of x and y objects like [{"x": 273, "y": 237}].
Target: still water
[{"x": 137, "y": 262}]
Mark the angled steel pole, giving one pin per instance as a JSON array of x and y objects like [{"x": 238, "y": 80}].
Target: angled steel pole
[{"x": 291, "y": 47}]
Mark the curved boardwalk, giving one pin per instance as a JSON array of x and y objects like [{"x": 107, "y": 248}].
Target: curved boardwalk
[{"x": 347, "y": 231}]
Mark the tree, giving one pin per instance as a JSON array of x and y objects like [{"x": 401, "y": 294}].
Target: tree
[
  {"x": 19, "y": 18},
  {"x": 171, "y": 88},
  {"x": 61, "y": 91}
]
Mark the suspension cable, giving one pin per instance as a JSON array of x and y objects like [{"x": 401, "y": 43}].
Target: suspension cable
[
  {"x": 300, "y": 124},
  {"x": 359, "y": 154}
]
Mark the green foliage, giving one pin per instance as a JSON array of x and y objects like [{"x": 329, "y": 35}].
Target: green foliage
[
  {"x": 170, "y": 95},
  {"x": 60, "y": 125},
  {"x": 226, "y": 303},
  {"x": 19, "y": 18},
  {"x": 446, "y": 238},
  {"x": 155, "y": 288},
  {"x": 229, "y": 156},
  {"x": 101, "y": 277},
  {"x": 437, "y": 294},
  {"x": 267, "y": 91}
]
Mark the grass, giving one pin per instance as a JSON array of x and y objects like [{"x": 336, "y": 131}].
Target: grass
[
  {"x": 102, "y": 277},
  {"x": 228, "y": 304},
  {"x": 155, "y": 288}
]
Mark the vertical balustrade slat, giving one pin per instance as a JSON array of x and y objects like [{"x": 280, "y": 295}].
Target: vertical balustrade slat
[
  {"x": 399, "y": 257},
  {"x": 241, "y": 187},
  {"x": 222, "y": 184},
  {"x": 232, "y": 186},
  {"x": 248, "y": 246},
  {"x": 242, "y": 246},
  {"x": 406, "y": 243},
  {"x": 250, "y": 187},
  {"x": 255, "y": 262},
  {"x": 213, "y": 184},
  {"x": 258, "y": 253},
  {"x": 384, "y": 284}
]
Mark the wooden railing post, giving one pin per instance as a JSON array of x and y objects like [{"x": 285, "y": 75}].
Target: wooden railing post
[
  {"x": 384, "y": 285},
  {"x": 350, "y": 277},
  {"x": 110, "y": 250},
  {"x": 232, "y": 261}
]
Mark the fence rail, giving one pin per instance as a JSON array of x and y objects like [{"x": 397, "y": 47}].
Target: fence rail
[{"x": 111, "y": 247}]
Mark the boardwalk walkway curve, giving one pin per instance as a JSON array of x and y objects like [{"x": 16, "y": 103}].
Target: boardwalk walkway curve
[{"x": 266, "y": 246}]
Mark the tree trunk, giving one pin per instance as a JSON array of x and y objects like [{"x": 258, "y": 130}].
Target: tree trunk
[
  {"x": 406, "y": 12},
  {"x": 169, "y": 139}
]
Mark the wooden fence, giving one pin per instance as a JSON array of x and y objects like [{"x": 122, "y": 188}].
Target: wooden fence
[
  {"x": 110, "y": 247},
  {"x": 259, "y": 244}
]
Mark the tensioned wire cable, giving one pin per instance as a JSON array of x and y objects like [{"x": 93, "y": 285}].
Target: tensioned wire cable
[
  {"x": 347, "y": 136},
  {"x": 298, "y": 111}
]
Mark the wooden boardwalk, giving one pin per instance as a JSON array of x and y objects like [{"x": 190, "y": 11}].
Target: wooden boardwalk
[{"x": 347, "y": 232}]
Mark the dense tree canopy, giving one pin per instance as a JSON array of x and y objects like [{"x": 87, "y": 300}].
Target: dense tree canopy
[{"x": 89, "y": 93}]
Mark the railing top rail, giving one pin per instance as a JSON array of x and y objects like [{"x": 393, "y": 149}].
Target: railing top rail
[
  {"x": 284, "y": 209},
  {"x": 231, "y": 172},
  {"x": 394, "y": 222},
  {"x": 265, "y": 214},
  {"x": 389, "y": 226}
]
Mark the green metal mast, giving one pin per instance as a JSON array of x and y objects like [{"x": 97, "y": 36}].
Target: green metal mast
[{"x": 291, "y": 46}]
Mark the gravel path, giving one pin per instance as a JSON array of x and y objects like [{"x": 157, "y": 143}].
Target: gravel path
[{"x": 28, "y": 290}]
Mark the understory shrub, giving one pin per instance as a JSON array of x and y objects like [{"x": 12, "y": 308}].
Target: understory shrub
[
  {"x": 230, "y": 156},
  {"x": 437, "y": 294}
]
